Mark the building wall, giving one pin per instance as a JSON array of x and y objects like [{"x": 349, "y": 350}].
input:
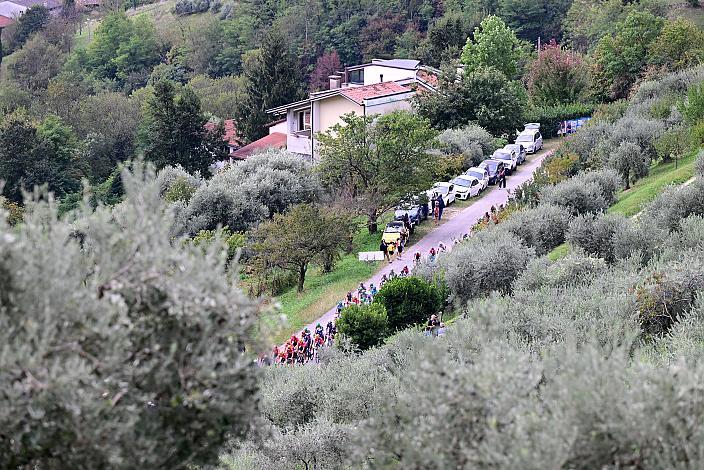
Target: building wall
[
  {"x": 372, "y": 72},
  {"x": 281, "y": 127},
  {"x": 328, "y": 112}
]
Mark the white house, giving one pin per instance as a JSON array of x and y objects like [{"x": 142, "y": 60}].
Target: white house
[{"x": 379, "y": 87}]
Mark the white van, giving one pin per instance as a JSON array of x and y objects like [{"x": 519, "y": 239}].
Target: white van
[{"x": 531, "y": 138}]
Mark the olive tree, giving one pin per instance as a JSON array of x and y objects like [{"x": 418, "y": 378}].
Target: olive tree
[{"x": 122, "y": 348}]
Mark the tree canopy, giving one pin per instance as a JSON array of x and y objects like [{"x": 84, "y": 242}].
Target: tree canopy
[{"x": 374, "y": 161}]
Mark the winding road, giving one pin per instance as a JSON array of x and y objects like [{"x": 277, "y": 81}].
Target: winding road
[{"x": 458, "y": 222}]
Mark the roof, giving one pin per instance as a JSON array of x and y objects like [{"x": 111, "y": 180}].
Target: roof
[
  {"x": 49, "y": 4},
  {"x": 408, "y": 64},
  {"x": 230, "y": 136},
  {"x": 11, "y": 10},
  {"x": 377, "y": 90},
  {"x": 275, "y": 140},
  {"x": 5, "y": 21}
]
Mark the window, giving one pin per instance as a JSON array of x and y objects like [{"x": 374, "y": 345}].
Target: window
[
  {"x": 356, "y": 76},
  {"x": 303, "y": 120}
]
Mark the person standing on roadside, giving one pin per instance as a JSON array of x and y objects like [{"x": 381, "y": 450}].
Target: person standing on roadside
[
  {"x": 436, "y": 213},
  {"x": 391, "y": 249},
  {"x": 502, "y": 178},
  {"x": 441, "y": 204},
  {"x": 383, "y": 247}
]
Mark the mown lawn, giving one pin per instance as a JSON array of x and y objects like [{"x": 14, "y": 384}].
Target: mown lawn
[{"x": 631, "y": 202}]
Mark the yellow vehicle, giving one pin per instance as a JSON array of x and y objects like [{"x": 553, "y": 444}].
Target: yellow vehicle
[{"x": 394, "y": 231}]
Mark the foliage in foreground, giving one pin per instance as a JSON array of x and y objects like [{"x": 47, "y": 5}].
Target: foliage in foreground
[
  {"x": 121, "y": 347},
  {"x": 365, "y": 326}
]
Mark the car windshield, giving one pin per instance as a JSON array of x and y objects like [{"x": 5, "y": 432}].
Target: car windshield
[
  {"x": 462, "y": 182},
  {"x": 477, "y": 174},
  {"x": 511, "y": 148},
  {"x": 489, "y": 164},
  {"x": 502, "y": 155},
  {"x": 393, "y": 228},
  {"x": 525, "y": 138}
]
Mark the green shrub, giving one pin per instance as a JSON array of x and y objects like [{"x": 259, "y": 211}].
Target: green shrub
[
  {"x": 365, "y": 325},
  {"x": 696, "y": 134},
  {"x": 550, "y": 117},
  {"x": 594, "y": 234},
  {"x": 573, "y": 270},
  {"x": 610, "y": 112},
  {"x": 233, "y": 241},
  {"x": 542, "y": 227},
  {"x": 693, "y": 107},
  {"x": 673, "y": 143},
  {"x": 576, "y": 195},
  {"x": 409, "y": 301},
  {"x": 489, "y": 261},
  {"x": 675, "y": 204},
  {"x": 555, "y": 168}
]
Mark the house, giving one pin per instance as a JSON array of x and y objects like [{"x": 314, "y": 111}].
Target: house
[
  {"x": 378, "y": 87},
  {"x": 12, "y": 10},
  {"x": 5, "y": 21},
  {"x": 54, "y": 6},
  {"x": 230, "y": 136}
]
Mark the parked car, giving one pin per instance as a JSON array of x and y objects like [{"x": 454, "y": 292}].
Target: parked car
[
  {"x": 394, "y": 231},
  {"x": 482, "y": 174},
  {"x": 445, "y": 192},
  {"x": 508, "y": 157},
  {"x": 520, "y": 152},
  {"x": 531, "y": 138},
  {"x": 466, "y": 187},
  {"x": 493, "y": 167},
  {"x": 414, "y": 211}
]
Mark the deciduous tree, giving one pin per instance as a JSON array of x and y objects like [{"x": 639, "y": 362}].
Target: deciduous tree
[
  {"x": 493, "y": 44},
  {"x": 326, "y": 65},
  {"x": 557, "y": 76},
  {"x": 302, "y": 236},
  {"x": 375, "y": 161}
]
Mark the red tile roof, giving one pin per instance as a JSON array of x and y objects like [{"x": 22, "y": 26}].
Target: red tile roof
[
  {"x": 230, "y": 135},
  {"x": 360, "y": 93},
  {"x": 5, "y": 21},
  {"x": 275, "y": 140}
]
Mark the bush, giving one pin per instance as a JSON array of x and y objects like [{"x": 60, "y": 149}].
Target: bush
[
  {"x": 573, "y": 270},
  {"x": 594, "y": 234},
  {"x": 673, "y": 143},
  {"x": 550, "y": 117},
  {"x": 693, "y": 107},
  {"x": 675, "y": 204},
  {"x": 608, "y": 181},
  {"x": 696, "y": 135},
  {"x": 409, "y": 301},
  {"x": 490, "y": 261},
  {"x": 122, "y": 349},
  {"x": 365, "y": 325},
  {"x": 667, "y": 294},
  {"x": 640, "y": 238},
  {"x": 630, "y": 161},
  {"x": 553, "y": 169},
  {"x": 464, "y": 140},
  {"x": 542, "y": 227},
  {"x": 639, "y": 131},
  {"x": 586, "y": 143},
  {"x": 576, "y": 195},
  {"x": 699, "y": 164},
  {"x": 243, "y": 195},
  {"x": 610, "y": 112}
]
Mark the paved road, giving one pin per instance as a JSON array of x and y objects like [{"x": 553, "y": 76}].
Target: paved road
[{"x": 457, "y": 224}]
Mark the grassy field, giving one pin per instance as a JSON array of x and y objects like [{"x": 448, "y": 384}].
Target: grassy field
[{"x": 631, "y": 202}]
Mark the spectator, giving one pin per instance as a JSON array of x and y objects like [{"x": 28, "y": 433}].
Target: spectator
[
  {"x": 400, "y": 248},
  {"x": 391, "y": 249},
  {"x": 502, "y": 178},
  {"x": 441, "y": 203},
  {"x": 383, "y": 247},
  {"x": 433, "y": 324},
  {"x": 436, "y": 213}
]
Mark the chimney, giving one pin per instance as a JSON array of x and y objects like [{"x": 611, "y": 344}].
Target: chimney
[
  {"x": 381, "y": 78},
  {"x": 335, "y": 81}
]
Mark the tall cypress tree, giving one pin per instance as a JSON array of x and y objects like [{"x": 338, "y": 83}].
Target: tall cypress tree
[
  {"x": 273, "y": 78},
  {"x": 173, "y": 130}
]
